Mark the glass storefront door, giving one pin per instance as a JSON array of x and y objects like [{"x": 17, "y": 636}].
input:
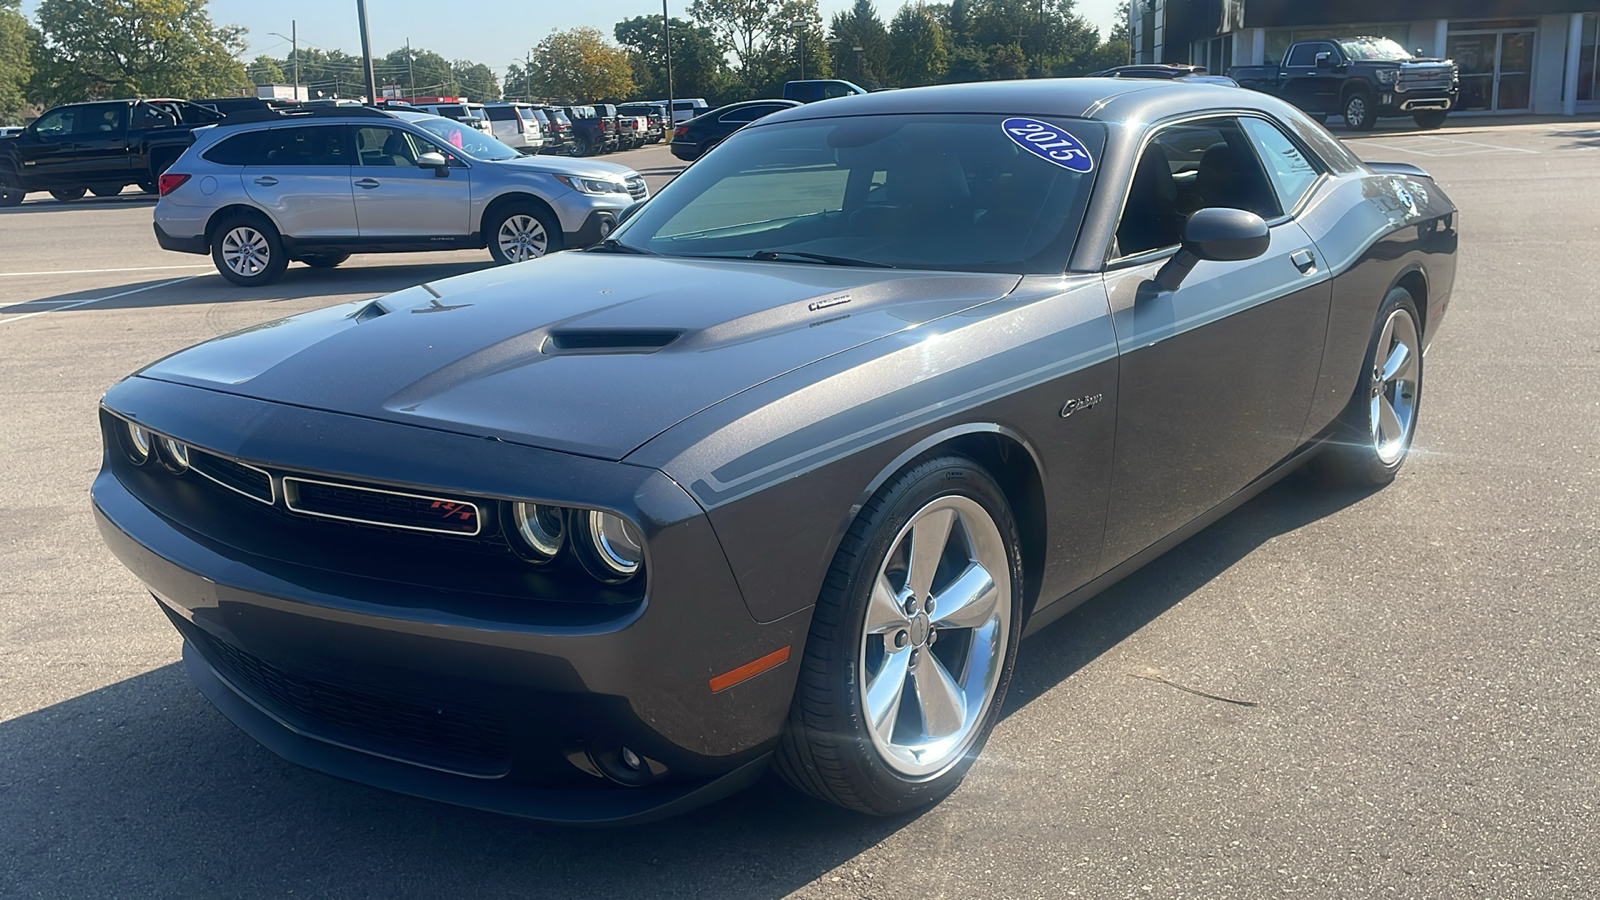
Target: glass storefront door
[{"x": 1496, "y": 69}]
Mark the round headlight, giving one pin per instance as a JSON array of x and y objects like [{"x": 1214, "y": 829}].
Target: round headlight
[
  {"x": 175, "y": 455},
  {"x": 138, "y": 443},
  {"x": 541, "y": 529},
  {"x": 617, "y": 544}
]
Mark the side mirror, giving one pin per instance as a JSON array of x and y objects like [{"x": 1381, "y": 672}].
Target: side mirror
[
  {"x": 1324, "y": 60},
  {"x": 435, "y": 161},
  {"x": 628, "y": 213},
  {"x": 1218, "y": 234}
]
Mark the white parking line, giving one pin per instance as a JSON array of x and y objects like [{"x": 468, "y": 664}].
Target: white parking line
[
  {"x": 98, "y": 271},
  {"x": 149, "y": 287},
  {"x": 1424, "y": 145}
]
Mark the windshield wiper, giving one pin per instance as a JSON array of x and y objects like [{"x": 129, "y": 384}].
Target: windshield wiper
[
  {"x": 775, "y": 255},
  {"x": 612, "y": 245}
]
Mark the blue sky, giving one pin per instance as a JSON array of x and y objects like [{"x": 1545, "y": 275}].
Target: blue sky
[{"x": 494, "y": 33}]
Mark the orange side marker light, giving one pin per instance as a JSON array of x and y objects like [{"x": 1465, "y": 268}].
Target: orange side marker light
[{"x": 749, "y": 670}]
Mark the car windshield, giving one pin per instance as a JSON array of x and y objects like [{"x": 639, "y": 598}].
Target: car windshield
[
  {"x": 1374, "y": 49},
  {"x": 470, "y": 141},
  {"x": 951, "y": 192}
]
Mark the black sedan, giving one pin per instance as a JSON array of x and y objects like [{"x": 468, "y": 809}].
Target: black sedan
[
  {"x": 695, "y": 138},
  {"x": 782, "y": 473}
]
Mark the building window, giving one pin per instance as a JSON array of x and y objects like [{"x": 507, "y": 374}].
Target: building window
[
  {"x": 1589, "y": 58},
  {"x": 1215, "y": 54}
]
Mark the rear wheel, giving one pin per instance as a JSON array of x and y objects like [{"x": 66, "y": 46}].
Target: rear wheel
[
  {"x": 150, "y": 187},
  {"x": 68, "y": 195},
  {"x": 579, "y": 146},
  {"x": 324, "y": 260},
  {"x": 522, "y": 231},
  {"x": 1374, "y": 433},
  {"x": 912, "y": 643},
  {"x": 1358, "y": 114},
  {"x": 247, "y": 250},
  {"x": 106, "y": 191},
  {"x": 10, "y": 193},
  {"x": 1430, "y": 120}
]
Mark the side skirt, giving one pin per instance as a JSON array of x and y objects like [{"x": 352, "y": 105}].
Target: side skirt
[{"x": 1045, "y": 615}]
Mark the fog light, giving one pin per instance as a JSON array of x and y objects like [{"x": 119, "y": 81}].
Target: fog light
[
  {"x": 541, "y": 529},
  {"x": 139, "y": 444},
  {"x": 175, "y": 455}
]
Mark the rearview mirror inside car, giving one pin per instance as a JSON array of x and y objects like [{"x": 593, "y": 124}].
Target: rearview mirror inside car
[{"x": 1218, "y": 234}]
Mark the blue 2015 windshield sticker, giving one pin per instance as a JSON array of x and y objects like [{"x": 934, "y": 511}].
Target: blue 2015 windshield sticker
[{"x": 1049, "y": 143}]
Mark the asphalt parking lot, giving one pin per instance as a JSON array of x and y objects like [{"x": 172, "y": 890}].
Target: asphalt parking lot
[{"x": 1404, "y": 686}]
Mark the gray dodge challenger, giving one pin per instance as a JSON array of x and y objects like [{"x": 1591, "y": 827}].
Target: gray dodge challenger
[{"x": 780, "y": 474}]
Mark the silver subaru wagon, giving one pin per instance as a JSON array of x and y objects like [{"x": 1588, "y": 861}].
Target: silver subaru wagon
[{"x": 315, "y": 186}]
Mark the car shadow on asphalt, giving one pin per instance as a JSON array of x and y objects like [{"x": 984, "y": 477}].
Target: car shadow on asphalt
[
  {"x": 142, "y": 788},
  {"x": 44, "y": 203}
]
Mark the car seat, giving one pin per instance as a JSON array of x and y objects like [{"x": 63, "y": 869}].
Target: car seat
[
  {"x": 1230, "y": 177},
  {"x": 1151, "y": 219}
]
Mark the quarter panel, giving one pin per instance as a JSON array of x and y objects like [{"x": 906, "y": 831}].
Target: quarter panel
[{"x": 783, "y": 468}]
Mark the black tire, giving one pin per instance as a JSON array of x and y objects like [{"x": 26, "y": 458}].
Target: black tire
[
  {"x": 150, "y": 187},
  {"x": 497, "y": 219},
  {"x": 69, "y": 195},
  {"x": 828, "y": 749},
  {"x": 324, "y": 260},
  {"x": 10, "y": 195},
  {"x": 1353, "y": 457},
  {"x": 1358, "y": 112},
  {"x": 1430, "y": 120},
  {"x": 267, "y": 260},
  {"x": 579, "y": 146},
  {"x": 106, "y": 191}
]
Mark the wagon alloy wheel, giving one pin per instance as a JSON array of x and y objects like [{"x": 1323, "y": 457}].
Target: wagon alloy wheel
[
  {"x": 1393, "y": 407},
  {"x": 246, "y": 252},
  {"x": 911, "y": 645},
  {"x": 937, "y": 621}
]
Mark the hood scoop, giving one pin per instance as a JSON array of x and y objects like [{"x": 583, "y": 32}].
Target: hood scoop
[{"x": 608, "y": 340}]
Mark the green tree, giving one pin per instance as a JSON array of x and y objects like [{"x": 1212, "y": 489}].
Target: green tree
[
  {"x": 861, "y": 27},
  {"x": 797, "y": 25},
  {"x": 919, "y": 51},
  {"x": 131, "y": 48},
  {"x": 266, "y": 70},
  {"x": 579, "y": 65},
  {"x": 699, "y": 67},
  {"x": 742, "y": 27},
  {"x": 1030, "y": 38},
  {"x": 17, "y": 39},
  {"x": 1121, "y": 29},
  {"x": 477, "y": 81}
]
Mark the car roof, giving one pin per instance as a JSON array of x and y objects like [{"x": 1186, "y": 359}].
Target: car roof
[{"x": 1112, "y": 100}]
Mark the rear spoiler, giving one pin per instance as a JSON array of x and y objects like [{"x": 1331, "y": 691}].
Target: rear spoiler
[{"x": 1399, "y": 169}]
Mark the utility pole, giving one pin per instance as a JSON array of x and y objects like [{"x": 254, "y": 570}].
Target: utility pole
[
  {"x": 294, "y": 51},
  {"x": 671, "y": 124},
  {"x": 366, "y": 53},
  {"x": 803, "y": 29},
  {"x": 527, "y": 73},
  {"x": 411, "y": 77}
]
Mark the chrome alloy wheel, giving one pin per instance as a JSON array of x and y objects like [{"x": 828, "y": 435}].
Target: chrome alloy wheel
[
  {"x": 1393, "y": 387},
  {"x": 522, "y": 237},
  {"x": 935, "y": 636},
  {"x": 246, "y": 251}
]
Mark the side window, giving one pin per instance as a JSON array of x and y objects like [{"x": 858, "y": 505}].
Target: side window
[
  {"x": 147, "y": 116},
  {"x": 311, "y": 145},
  {"x": 377, "y": 146},
  {"x": 1291, "y": 172},
  {"x": 1304, "y": 54},
  {"x": 57, "y": 123},
  {"x": 239, "y": 150},
  {"x": 747, "y": 114},
  {"x": 1189, "y": 167},
  {"x": 99, "y": 120}
]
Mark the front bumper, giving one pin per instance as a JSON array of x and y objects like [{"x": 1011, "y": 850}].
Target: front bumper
[{"x": 462, "y": 697}]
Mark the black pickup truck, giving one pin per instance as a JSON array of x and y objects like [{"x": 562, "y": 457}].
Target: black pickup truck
[
  {"x": 100, "y": 147},
  {"x": 1360, "y": 79}
]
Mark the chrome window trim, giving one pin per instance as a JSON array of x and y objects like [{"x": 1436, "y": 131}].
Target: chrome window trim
[
  {"x": 288, "y": 502},
  {"x": 1119, "y": 262},
  {"x": 272, "y": 487}
]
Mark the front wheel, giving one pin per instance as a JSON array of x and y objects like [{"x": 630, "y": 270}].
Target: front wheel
[
  {"x": 1429, "y": 120},
  {"x": 912, "y": 643},
  {"x": 248, "y": 251},
  {"x": 1374, "y": 434},
  {"x": 68, "y": 195},
  {"x": 1358, "y": 115},
  {"x": 521, "y": 232}
]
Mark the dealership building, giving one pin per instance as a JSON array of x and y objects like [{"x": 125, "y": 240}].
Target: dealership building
[{"x": 1514, "y": 56}]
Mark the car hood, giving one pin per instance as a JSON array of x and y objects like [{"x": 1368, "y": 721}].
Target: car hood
[
  {"x": 590, "y": 353},
  {"x": 555, "y": 165}
]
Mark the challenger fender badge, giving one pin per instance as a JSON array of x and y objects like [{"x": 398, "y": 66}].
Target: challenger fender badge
[
  {"x": 1080, "y": 404},
  {"x": 831, "y": 301},
  {"x": 1049, "y": 143}
]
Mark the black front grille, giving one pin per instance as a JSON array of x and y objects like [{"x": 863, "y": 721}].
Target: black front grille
[
  {"x": 235, "y": 476},
  {"x": 377, "y": 506},
  {"x": 465, "y": 740}
]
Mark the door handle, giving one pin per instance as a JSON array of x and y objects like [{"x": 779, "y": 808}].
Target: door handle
[
  {"x": 1304, "y": 261},
  {"x": 266, "y": 181},
  {"x": 368, "y": 183}
]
